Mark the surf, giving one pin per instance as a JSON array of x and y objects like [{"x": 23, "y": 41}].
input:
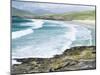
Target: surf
[
  {"x": 70, "y": 36},
  {"x": 21, "y": 33},
  {"x": 36, "y": 24},
  {"x": 50, "y": 43}
]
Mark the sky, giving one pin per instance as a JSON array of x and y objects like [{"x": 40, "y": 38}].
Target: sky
[{"x": 49, "y": 7}]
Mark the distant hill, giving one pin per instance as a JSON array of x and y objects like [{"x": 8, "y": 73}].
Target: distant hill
[
  {"x": 82, "y": 15},
  {"x": 26, "y": 11},
  {"x": 21, "y": 13}
]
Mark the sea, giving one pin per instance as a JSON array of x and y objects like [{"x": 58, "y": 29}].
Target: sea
[{"x": 38, "y": 38}]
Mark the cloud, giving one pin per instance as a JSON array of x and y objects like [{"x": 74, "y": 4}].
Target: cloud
[{"x": 53, "y": 7}]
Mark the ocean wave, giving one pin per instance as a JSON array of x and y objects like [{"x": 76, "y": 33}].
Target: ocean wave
[
  {"x": 21, "y": 33},
  {"x": 76, "y": 32},
  {"x": 70, "y": 36},
  {"x": 84, "y": 33},
  {"x": 15, "y": 62},
  {"x": 55, "y": 44},
  {"x": 36, "y": 24}
]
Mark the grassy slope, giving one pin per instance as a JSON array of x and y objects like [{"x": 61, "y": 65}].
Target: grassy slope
[
  {"x": 83, "y": 15},
  {"x": 21, "y": 13}
]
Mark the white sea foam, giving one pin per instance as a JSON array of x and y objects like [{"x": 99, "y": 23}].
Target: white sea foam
[
  {"x": 50, "y": 48},
  {"x": 21, "y": 33},
  {"x": 26, "y": 24},
  {"x": 76, "y": 32},
  {"x": 55, "y": 22},
  {"x": 37, "y": 24},
  {"x": 53, "y": 45},
  {"x": 70, "y": 36},
  {"x": 15, "y": 62},
  {"x": 84, "y": 33}
]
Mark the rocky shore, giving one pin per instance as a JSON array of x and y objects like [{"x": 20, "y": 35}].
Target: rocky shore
[{"x": 75, "y": 58}]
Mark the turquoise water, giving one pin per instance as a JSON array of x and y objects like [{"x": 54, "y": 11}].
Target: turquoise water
[{"x": 46, "y": 38}]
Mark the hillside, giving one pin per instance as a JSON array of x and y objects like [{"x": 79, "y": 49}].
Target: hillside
[
  {"x": 83, "y": 15},
  {"x": 21, "y": 13}
]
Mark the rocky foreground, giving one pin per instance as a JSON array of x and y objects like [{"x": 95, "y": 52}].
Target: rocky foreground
[{"x": 76, "y": 58}]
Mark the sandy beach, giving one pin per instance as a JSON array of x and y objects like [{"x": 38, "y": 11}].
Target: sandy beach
[
  {"x": 92, "y": 22},
  {"x": 86, "y": 23}
]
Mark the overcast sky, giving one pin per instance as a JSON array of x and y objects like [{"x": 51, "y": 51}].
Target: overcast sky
[{"x": 55, "y": 8}]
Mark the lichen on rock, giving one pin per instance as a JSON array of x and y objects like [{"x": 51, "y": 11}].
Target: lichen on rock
[{"x": 75, "y": 58}]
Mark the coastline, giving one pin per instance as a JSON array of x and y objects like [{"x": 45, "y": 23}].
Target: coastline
[
  {"x": 46, "y": 39},
  {"x": 65, "y": 22},
  {"x": 87, "y": 23},
  {"x": 75, "y": 58},
  {"x": 90, "y": 22},
  {"x": 69, "y": 60}
]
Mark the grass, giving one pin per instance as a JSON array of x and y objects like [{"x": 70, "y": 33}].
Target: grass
[
  {"x": 21, "y": 13},
  {"x": 56, "y": 64},
  {"x": 83, "y": 15},
  {"x": 76, "y": 55},
  {"x": 86, "y": 54}
]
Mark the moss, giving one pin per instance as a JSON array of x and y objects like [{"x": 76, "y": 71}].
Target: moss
[
  {"x": 76, "y": 52},
  {"x": 56, "y": 64},
  {"x": 84, "y": 15},
  {"x": 69, "y": 60},
  {"x": 85, "y": 54}
]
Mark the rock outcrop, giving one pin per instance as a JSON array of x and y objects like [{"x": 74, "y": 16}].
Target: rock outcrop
[{"x": 76, "y": 58}]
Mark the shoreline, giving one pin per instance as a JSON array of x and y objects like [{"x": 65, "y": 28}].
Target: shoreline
[
  {"x": 75, "y": 58},
  {"x": 87, "y": 23},
  {"x": 91, "y": 22},
  {"x": 68, "y": 22}
]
